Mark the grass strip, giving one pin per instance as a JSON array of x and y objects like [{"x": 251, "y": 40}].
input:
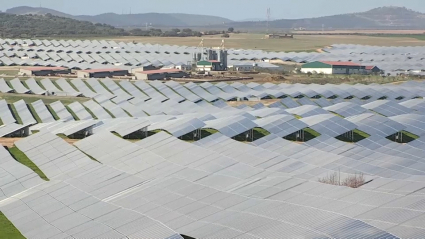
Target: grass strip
[
  {"x": 7, "y": 229},
  {"x": 23, "y": 159}
]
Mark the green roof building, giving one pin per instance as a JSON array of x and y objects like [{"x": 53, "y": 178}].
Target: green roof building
[{"x": 333, "y": 67}]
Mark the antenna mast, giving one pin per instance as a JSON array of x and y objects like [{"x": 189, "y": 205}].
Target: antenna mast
[
  {"x": 201, "y": 47},
  {"x": 268, "y": 19}
]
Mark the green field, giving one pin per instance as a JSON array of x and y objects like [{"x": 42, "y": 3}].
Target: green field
[
  {"x": 420, "y": 37},
  {"x": 299, "y": 43},
  {"x": 23, "y": 159},
  {"x": 7, "y": 229}
]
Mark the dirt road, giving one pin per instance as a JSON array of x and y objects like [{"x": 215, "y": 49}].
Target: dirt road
[{"x": 10, "y": 142}]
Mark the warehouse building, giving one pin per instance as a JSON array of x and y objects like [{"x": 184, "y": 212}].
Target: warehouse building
[
  {"x": 160, "y": 74},
  {"x": 101, "y": 73},
  {"x": 44, "y": 71},
  {"x": 241, "y": 66},
  {"x": 333, "y": 67},
  {"x": 143, "y": 68}
]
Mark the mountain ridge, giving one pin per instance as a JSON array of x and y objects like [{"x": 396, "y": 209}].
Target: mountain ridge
[
  {"x": 130, "y": 20},
  {"x": 390, "y": 17},
  {"x": 378, "y": 18}
]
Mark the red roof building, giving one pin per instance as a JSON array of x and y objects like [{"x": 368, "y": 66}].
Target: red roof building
[
  {"x": 372, "y": 69},
  {"x": 159, "y": 71},
  {"x": 102, "y": 73},
  {"x": 102, "y": 70},
  {"x": 44, "y": 71}
]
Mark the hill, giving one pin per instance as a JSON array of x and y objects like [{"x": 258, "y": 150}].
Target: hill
[
  {"x": 36, "y": 11},
  {"x": 12, "y": 26},
  {"x": 131, "y": 20},
  {"x": 378, "y": 18}
]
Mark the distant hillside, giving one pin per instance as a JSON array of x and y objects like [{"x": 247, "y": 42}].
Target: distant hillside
[
  {"x": 378, "y": 18},
  {"x": 12, "y": 26},
  {"x": 36, "y": 11},
  {"x": 132, "y": 20}
]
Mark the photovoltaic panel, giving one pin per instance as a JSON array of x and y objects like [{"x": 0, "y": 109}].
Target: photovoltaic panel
[
  {"x": 376, "y": 125},
  {"x": 35, "y": 87},
  {"x": 329, "y": 124},
  {"x": 151, "y": 92},
  {"x": 78, "y": 109},
  {"x": 5, "y": 113},
  {"x": 42, "y": 112},
  {"x": 4, "y": 87},
  {"x": 50, "y": 86},
  {"x": 98, "y": 88},
  {"x": 24, "y": 113},
  {"x": 97, "y": 110},
  {"x": 200, "y": 92},
  {"x": 67, "y": 88},
  {"x": 83, "y": 88},
  {"x": 289, "y": 102},
  {"x": 133, "y": 90},
  {"x": 61, "y": 111},
  {"x": 19, "y": 87}
]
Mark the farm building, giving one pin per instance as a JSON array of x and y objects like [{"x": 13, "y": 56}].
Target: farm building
[
  {"x": 44, "y": 71},
  {"x": 372, "y": 70},
  {"x": 160, "y": 74},
  {"x": 333, "y": 67},
  {"x": 101, "y": 73}
]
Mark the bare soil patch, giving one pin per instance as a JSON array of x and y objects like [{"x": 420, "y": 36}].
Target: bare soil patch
[{"x": 10, "y": 142}]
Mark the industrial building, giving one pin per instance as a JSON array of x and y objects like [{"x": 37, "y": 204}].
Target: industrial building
[
  {"x": 44, "y": 71},
  {"x": 333, "y": 67},
  {"x": 160, "y": 74},
  {"x": 101, "y": 73},
  {"x": 241, "y": 66},
  {"x": 210, "y": 65},
  {"x": 215, "y": 60}
]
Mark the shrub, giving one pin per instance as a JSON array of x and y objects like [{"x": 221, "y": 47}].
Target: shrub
[{"x": 353, "y": 181}]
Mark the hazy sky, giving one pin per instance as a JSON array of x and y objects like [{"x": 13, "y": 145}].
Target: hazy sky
[{"x": 232, "y": 9}]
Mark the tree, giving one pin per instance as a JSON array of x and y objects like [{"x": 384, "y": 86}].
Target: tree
[
  {"x": 197, "y": 34},
  {"x": 231, "y": 29}
]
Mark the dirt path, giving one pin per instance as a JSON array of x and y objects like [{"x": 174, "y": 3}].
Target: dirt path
[
  {"x": 10, "y": 142},
  {"x": 251, "y": 103}
]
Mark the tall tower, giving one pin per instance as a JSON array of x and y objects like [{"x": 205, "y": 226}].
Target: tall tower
[
  {"x": 269, "y": 13},
  {"x": 222, "y": 46},
  {"x": 200, "y": 51}
]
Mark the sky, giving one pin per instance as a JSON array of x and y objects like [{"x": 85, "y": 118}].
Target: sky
[{"x": 232, "y": 9}]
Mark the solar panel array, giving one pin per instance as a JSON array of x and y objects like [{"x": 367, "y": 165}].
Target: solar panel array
[
  {"x": 213, "y": 186},
  {"x": 93, "y": 54},
  {"x": 89, "y": 54}
]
